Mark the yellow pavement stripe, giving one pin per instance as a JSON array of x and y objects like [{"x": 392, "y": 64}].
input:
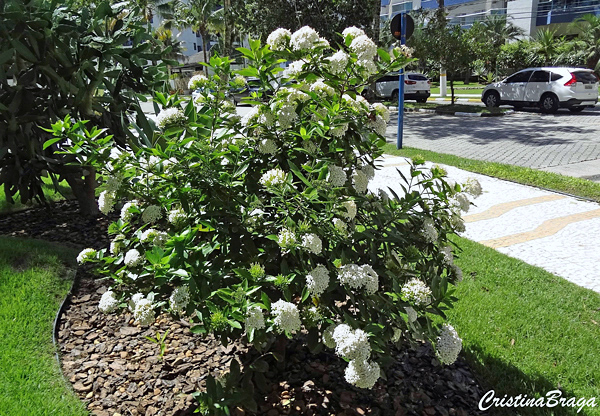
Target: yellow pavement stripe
[
  {"x": 546, "y": 229},
  {"x": 497, "y": 210}
]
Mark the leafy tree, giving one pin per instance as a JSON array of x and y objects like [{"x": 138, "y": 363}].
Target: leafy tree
[
  {"x": 199, "y": 15},
  {"x": 61, "y": 61},
  {"x": 545, "y": 47},
  {"x": 588, "y": 40}
]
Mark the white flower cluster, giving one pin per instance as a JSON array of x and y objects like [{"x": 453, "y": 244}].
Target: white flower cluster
[
  {"x": 461, "y": 200},
  {"x": 351, "y": 344},
  {"x": 403, "y": 50},
  {"x": 448, "y": 345},
  {"x": 151, "y": 214},
  {"x": 158, "y": 238},
  {"x": 360, "y": 104},
  {"x": 286, "y": 116},
  {"x": 170, "y": 116},
  {"x": 317, "y": 280},
  {"x": 128, "y": 210},
  {"x": 179, "y": 299},
  {"x": 378, "y": 125},
  {"x": 304, "y": 38},
  {"x": 360, "y": 181},
  {"x": 273, "y": 178},
  {"x": 144, "y": 312},
  {"x": 339, "y": 130},
  {"x": 353, "y": 32},
  {"x": 85, "y": 255},
  {"x": 134, "y": 300},
  {"x": 457, "y": 272},
  {"x": 321, "y": 89},
  {"x": 336, "y": 177},
  {"x": 367, "y": 66},
  {"x": 108, "y": 302},
  {"x": 286, "y": 238},
  {"x": 113, "y": 182},
  {"x": 197, "y": 81},
  {"x": 429, "y": 231},
  {"x": 279, "y": 39},
  {"x": 381, "y": 110},
  {"x": 254, "y": 318},
  {"x": 106, "y": 201},
  {"x": 368, "y": 170},
  {"x": 363, "y": 47},
  {"x": 312, "y": 243},
  {"x": 328, "y": 340},
  {"x": 133, "y": 258},
  {"x": 448, "y": 256},
  {"x": 472, "y": 187},
  {"x": 176, "y": 216},
  {"x": 457, "y": 222},
  {"x": 362, "y": 374},
  {"x": 416, "y": 292},
  {"x": 117, "y": 245},
  {"x": 286, "y": 316},
  {"x": 294, "y": 69},
  {"x": 350, "y": 207},
  {"x": 358, "y": 277},
  {"x": 267, "y": 147},
  {"x": 340, "y": 226},
  {"x": 338, "y": 62}
]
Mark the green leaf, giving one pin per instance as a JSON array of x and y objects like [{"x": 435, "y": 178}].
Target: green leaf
[
  {"x": 50, "y": 142},
  {"x": 23, "y": 50},
  {"x": 385, "y": 57}
]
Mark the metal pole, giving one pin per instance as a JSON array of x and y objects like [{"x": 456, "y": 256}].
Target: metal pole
[{"x": 401, "y": 86}]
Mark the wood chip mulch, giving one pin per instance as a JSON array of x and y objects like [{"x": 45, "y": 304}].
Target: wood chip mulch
[{"x": 117, "y": 371}]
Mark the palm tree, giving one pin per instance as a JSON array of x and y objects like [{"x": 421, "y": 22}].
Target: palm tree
[
  {"x": 588, "y": 39},
  {"x": 199, "y": 15},
  {"x": 544, "y": 47},
  {"x": 160, "y": 8},
  {"x": 496, "y": 30}
]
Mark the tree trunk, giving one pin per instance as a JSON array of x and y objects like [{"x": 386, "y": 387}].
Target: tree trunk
[
  {"x": 85, "y": 191},
  {"x": 376, "y": 11},
  {"x": 228, "y": 35},
  {"x": 452, "y": 90},
  {"x": 204, "y": 44}
]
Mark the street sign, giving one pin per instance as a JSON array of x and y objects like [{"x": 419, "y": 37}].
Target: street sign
[{"x": 396, "y": 26}]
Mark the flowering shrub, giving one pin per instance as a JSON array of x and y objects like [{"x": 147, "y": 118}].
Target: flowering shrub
[{"x": 263, "y": 227}]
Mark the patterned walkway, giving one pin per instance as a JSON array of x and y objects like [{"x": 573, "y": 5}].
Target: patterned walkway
[{"x": 556, "y": 232}]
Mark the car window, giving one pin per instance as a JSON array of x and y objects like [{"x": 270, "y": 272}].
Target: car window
[
  {"x": 417, "y": 77},
  {"x": 519, "y": 77},
  {"x": 388, "y": 78},
  {"x": 584, "y": 76},
  {"x": 540, "y": 76},
  {"x": 554, "y": 76}
]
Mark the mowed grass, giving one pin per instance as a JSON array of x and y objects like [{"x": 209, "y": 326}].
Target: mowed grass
[
  {"x": 52, "y": 195},
  {"x": 525, "y": 176},
  {"x": 526, "y": 331},
  {"x": 34, "y": 280}
]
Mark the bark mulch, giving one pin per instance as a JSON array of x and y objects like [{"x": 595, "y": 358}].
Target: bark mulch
[{"x": 117, "y": 371}]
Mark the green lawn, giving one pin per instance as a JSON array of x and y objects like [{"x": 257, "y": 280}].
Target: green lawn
[
  {"x": 526, "y": 331},
  {"x": 526, "y": 176},
  {"x": 33, "y": 282},
  {"x": 51, "y": 195}
]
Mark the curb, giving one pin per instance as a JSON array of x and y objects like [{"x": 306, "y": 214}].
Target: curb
[
  {"x": 457, "y": 113},
  {"x": 66, "y": 302}
]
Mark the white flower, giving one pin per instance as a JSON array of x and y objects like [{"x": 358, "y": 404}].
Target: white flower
[
  {"x": 339, "y": 130},
  {"x": 402, "y": 50},
  {"x": 448, "y": 345},
  {"x": 363, "y": 47},
  {"x": 279, "y": 39},
  {"x": 254, "y": 318},
  {"x": 457, "y": 272},
  {"x": 294, "y": 69},
  {"x": 472, "y": 187},
  {"x": 108, "y": 302},
  {"x": 179, "y": 299},
  {"x": 340, "y": 226},
  {"x": 429, "y": 231},
  {"x": 360, "y": 181},
  {"x": 304, "y": 38},
  {"x": 448, "y": 257},
  {"x": 351, "y": 344},
  {"x": 267, "y": 147},
  {"x": 197, "y": 81},
  {"x": 382, "y": 111},
  {"x": 286, "y": 316},
  {"x": 360, "y": 104},
  {"x": 378, "y": 125},
  {"x": 362, "y": 373},
  {"x": 368, "y": 170},
  {"x": 328, "y": 340},
  {"x": 461, "y": 200},
  {"x": 367, "y": 66},
  {"x": 353, "y": 32},
  {"x": 106, "y": 201},
  {"x": 358, "y": 277},
  {"x": 176, "y": 216},
  {"x": 337, "y": 177},
  {"x": 134, "y": 300},
  {"x": 309, "y": 146},
  {"x": 396, "y": 336},
  {"x": 128, "y": 209},
  {"x": 113, "y": 182},
  {"x": 416, "y": 292},
  {"x": 117, "y": 245},
  {"x": 286, "y": 238},
  {"x": 266, "y": 117},
  {"x": 273, "y": 178},
  {"x": 85, "y": 255},
  {"x": 312, "y": 243},
  {"x": 321, "y": 89},
  {"x": 317, "y": 280},
  {"x": 338, "y": 62},
  {"x": 411, "y": 314},
  {"x": 133, "y": 258},
  {"x": 286, "y": 116},
  {"x": 151, "y": 214},
  {"x": 350, "y": 207},
  {"x": 144, "y": 312},
  {"x": 170, "y": 116},
  {"x": 153, "y": 236}
]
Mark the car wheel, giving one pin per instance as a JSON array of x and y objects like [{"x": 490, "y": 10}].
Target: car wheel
[
  {"x": 576, "y": 109},
  {"x": 422, "y": 100},
  {"x": 549, "y": 104},
  {"x": 395, "y": 96},
  {"x": 491, "y": 99}
]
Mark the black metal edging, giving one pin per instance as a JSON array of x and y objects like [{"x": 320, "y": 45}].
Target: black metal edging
[{"x": 66, "y": 302}]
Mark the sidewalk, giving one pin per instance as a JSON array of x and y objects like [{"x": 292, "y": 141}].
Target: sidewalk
[{"x": 546, "y": 229}]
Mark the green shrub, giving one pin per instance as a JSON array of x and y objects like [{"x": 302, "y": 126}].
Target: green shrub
[{"x": 263, "y": 228}]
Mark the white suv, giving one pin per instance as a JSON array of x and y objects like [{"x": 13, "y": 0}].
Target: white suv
[
  {"x": 548, "y": 88},
  {"x": 416, "y": 87}
]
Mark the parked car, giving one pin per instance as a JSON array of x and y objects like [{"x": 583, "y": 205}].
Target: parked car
[
  {"x": 548, "y": 88},
  {"x": 416, "y": 87}
]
